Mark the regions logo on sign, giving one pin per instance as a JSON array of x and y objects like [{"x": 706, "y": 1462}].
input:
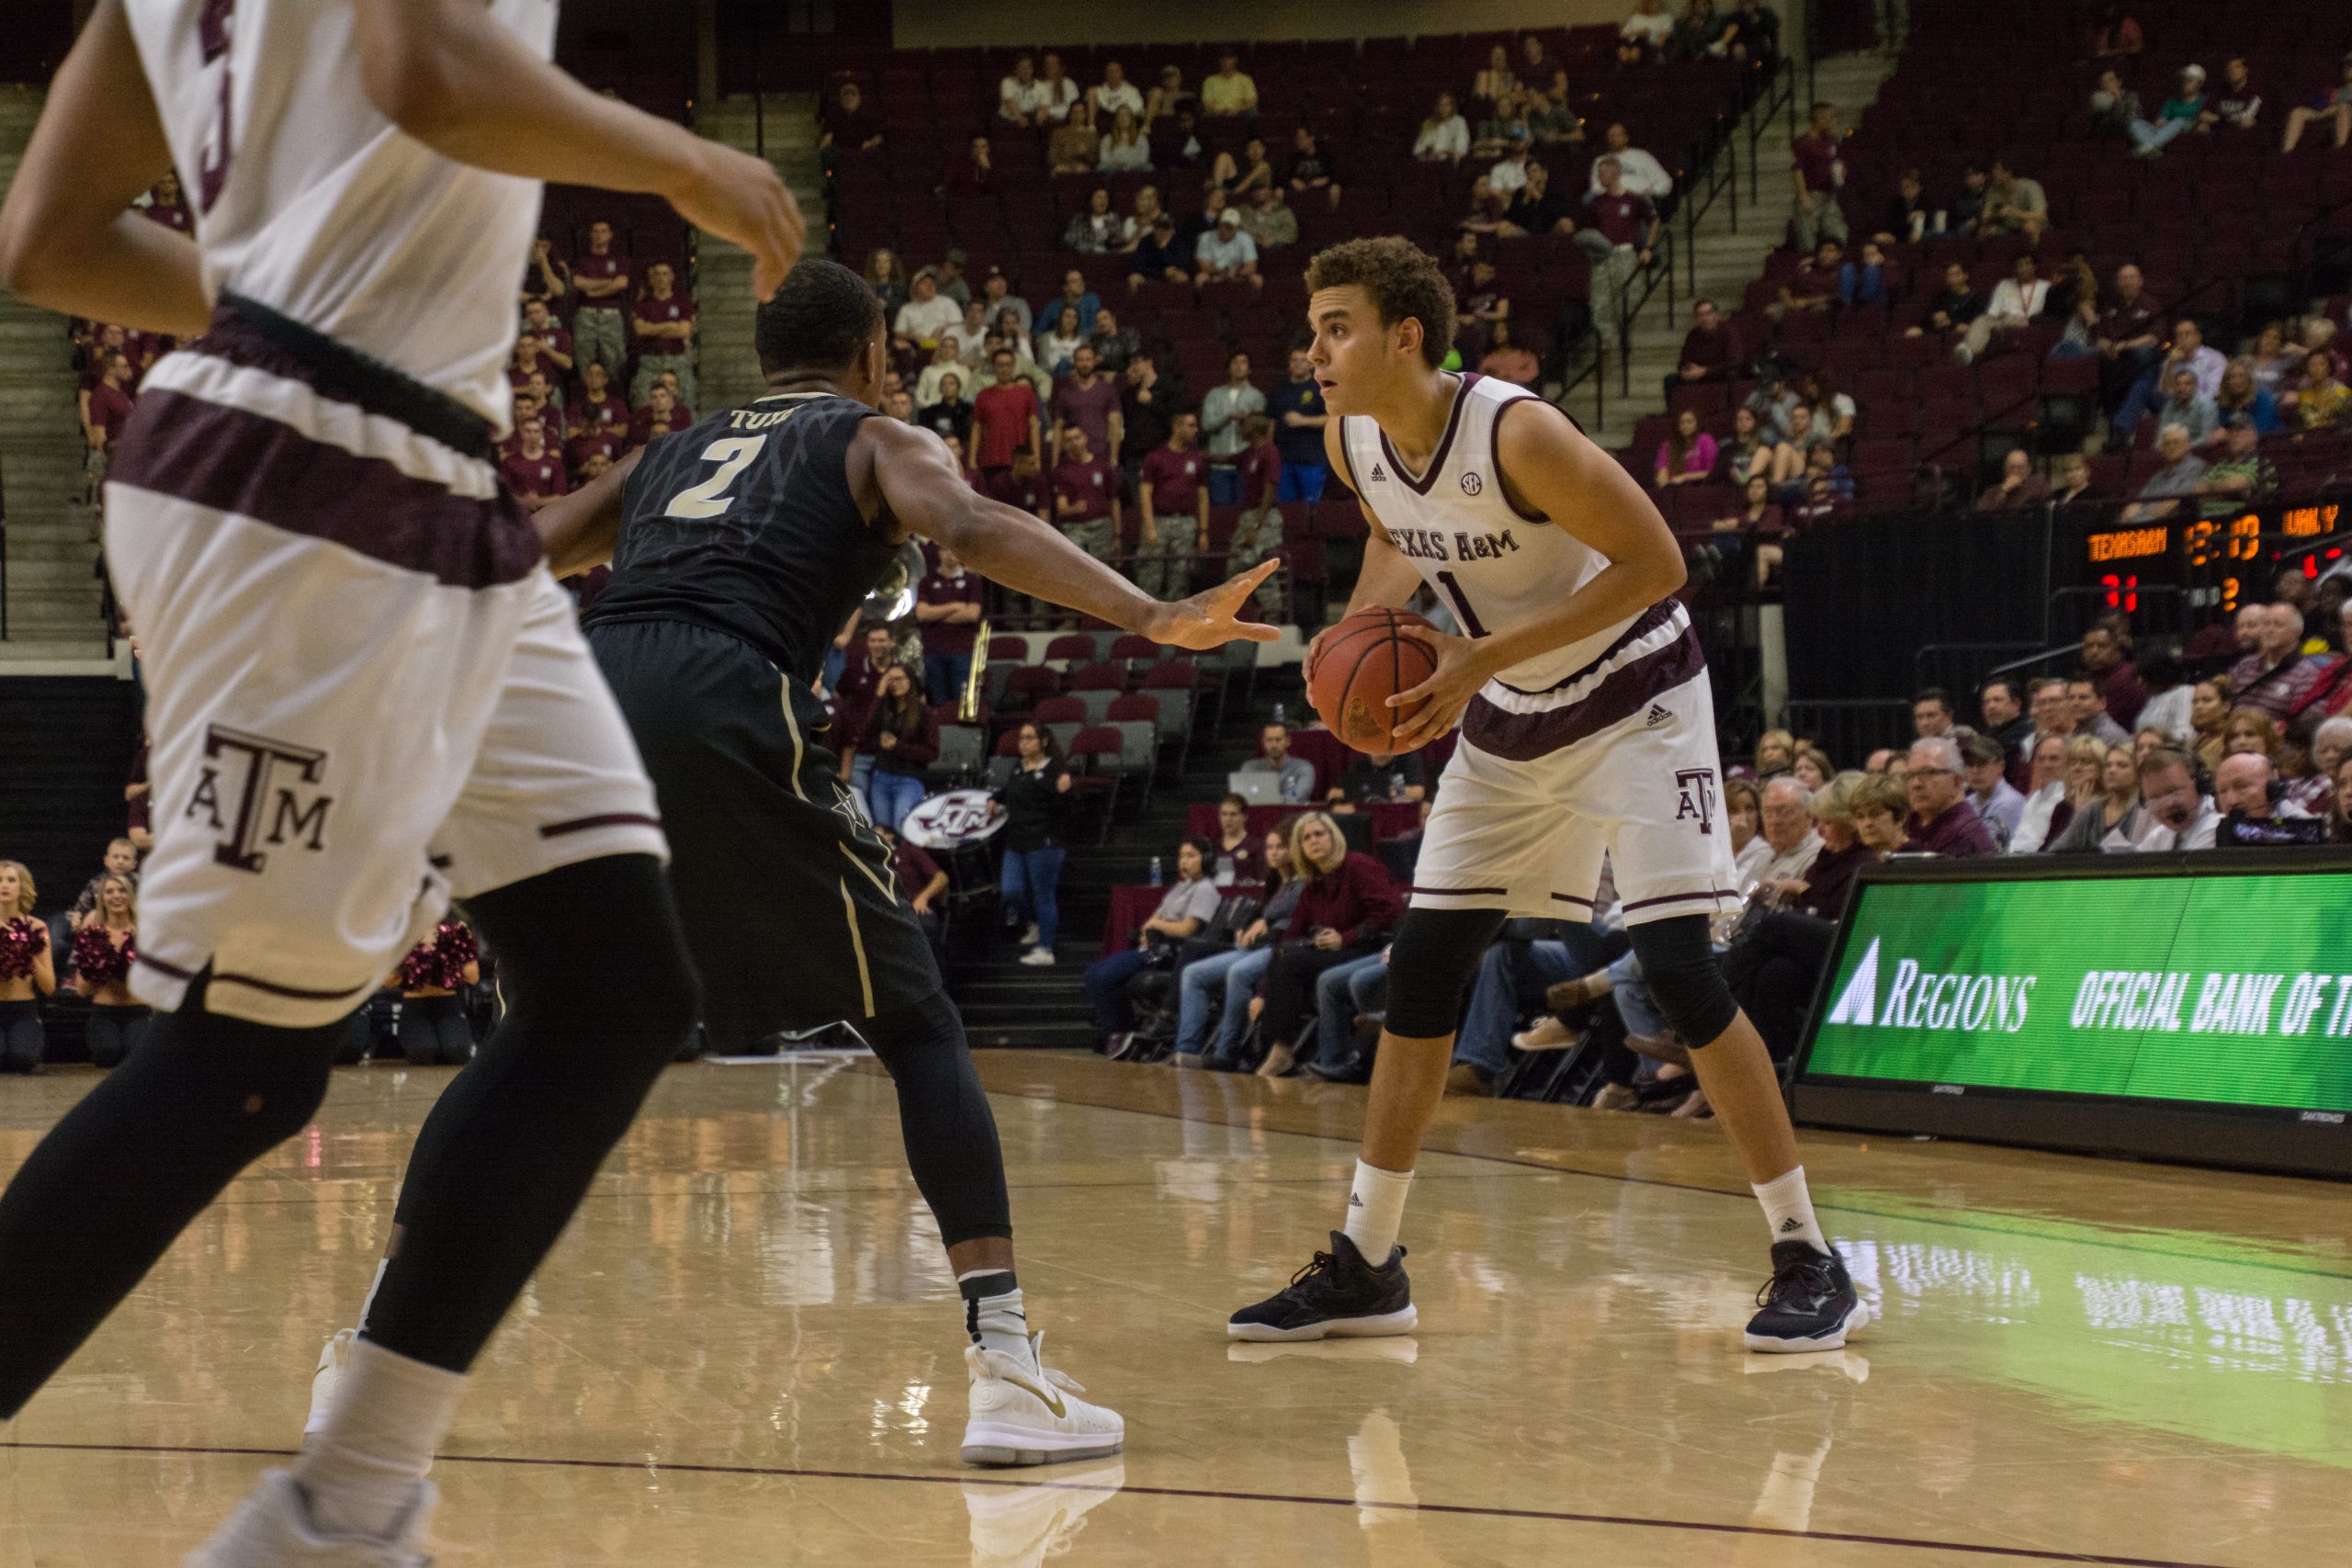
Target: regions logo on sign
[{"x": 1917, "y": 998}]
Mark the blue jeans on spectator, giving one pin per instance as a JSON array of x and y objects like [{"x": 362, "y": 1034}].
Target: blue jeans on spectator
[
  {"x": 861, "y": 782},
  {"x": 1241, "y": 985},
  {"x": 1233, "y": 973},
  {"x": 1027, "y": 885},
  {"x": 1335, "y": 1005},
  {"x": 836, "y": 660},
  {"x": 1106, "y": 988},
  {"x": 1301, "y": 481},
  {"x": 2156, "y": 134},
  {"x": 1507, "y": 973},
  {"x": 1635, "y": 1006},
  {"x": 1225, "y": 485},
  {"x": 2138, "y": 403},
  {"x": 944, "y": 675},
  {"x": 889, "y": 796}
]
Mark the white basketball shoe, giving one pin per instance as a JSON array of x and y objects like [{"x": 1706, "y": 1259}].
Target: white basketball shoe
[
  {"x": 1023, "y": 1412},
  {"x": 273, "y": 1528},
  {"x": 324, "y": 1381}
]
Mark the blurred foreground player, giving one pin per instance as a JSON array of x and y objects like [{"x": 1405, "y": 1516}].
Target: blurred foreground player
[
  {"x": 1586, "y": 730},
  {"x": 738, "y": 547},
  {"x": 366, "y": 693}
]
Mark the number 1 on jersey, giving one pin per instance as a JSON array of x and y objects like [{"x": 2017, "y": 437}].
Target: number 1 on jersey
[
  {"x": 709, "y": 499},
  {"x": 1470, "y": 622}
]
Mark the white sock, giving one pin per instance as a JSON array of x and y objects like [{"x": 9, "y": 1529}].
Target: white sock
[
  {"x": 1376, "y": 1210},
  {"x": 1788, "y": 1209},
  {"x": 1001, "y": 1323},
  {"x": 389, "y": 1413}
]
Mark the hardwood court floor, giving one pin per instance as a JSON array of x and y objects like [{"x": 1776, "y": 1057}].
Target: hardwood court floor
[{"x": 745, "y": 1352}]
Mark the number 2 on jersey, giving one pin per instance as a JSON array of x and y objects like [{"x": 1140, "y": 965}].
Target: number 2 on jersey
[
  {"x": 1470, "y": 622},
  {"x": 709, "y": 499}
]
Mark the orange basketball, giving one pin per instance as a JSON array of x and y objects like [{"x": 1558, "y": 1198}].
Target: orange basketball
[{"x": 1363, "y": 662}]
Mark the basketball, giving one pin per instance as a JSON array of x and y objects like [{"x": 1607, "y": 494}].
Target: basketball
[{"x": 1365, "y": 660}]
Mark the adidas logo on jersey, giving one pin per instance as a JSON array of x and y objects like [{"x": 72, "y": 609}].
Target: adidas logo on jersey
[
  {"x": 1657, "y": 716},
  {"x": 1377, "y": 475}
]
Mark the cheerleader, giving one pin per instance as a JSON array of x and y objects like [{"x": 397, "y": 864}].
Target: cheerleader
[
  {"x": 433, "y": 1016},
  {"x": 104, "y": 944},
  {"x": 26, "y": 971}
]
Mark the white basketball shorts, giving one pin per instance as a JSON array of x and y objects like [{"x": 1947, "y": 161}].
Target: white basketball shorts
[
  {"x": 366, "y": 694},
  {"x": 1618, "y": 759}
]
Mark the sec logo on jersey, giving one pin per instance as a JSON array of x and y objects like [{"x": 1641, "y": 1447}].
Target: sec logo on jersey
[{"x": 1472, "y": 484}]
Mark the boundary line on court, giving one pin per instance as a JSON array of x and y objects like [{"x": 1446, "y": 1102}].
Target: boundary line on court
[{"x": 1465, "y": 1510}]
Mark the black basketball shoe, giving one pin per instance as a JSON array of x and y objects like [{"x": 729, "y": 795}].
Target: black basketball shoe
[
  {"x": 1810, "y": 1303},
  {"x": 1338, "y": 1295}
]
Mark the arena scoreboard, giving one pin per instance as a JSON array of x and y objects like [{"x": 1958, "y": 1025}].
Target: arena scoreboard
[
  {"x": 2194, "y": 1007},
  {"x": 2215, "y": 563}
]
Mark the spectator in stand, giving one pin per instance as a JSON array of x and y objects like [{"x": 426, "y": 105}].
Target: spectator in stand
[
  {"x": 2173, "y": 815},
  {"x": 2184, "y": 407},
  {"x": 1096, "y": 230},
  {"x": 2320, "y": 400},
  {"x": 27, "y": 968},
  {"x": 2179, "y": 476},
  {"x": 887, "y": 276},
  {"x": 1815, "y": 283},
  {"x": 2113, "y": 810},
  {"x": 1234, "y": 861},
  {"x": 1228, "y": 92},
  {"x": 946, "y": 360},
  {"x": 1020, "y": 98},
  {"x": 2000, "y": 713},
  {"x": 1496, "y": 79},
  {"x": 1114, "y": 345},
  {"x": 555, "y": 343},
  {"x": 1984, "y": 763},
  {"x": 1076, "y": 295},
  {"x": 2020, "y": 486},
  {"x": 1114, "y": 93},
  {"x": 1087, "y": 401},
  {"x": 1479, "y": 308},
  {"x": 1005, "y": 416},
  {"x": 1124, "y": 149},
  {"x": 1509, "y": 175},
  {"x": 2130, "y": 338},
  {"x": 1931, "y": 715},
  {"x": 1797, "y": 453},
  {"x": 545, "y": 277},
  {"x": 1160, "y": 256},
  {"x": 1751, "y": 454},
  {"x": 1643, "y": 37},
  {"x": 1640, "y": 172},
  {"x": 1172, "y": 97},
  {"x": 1497, "y": 130},
  {"x": 1024, "y": 486},
  {"x": 1863, "y": 281},
  {"x": 1295, "y": 773},
  {"x": 2313, "y": 789},
  {"x": 2239, "y": 472},
  {"x": 1310, "y": 170},
  {"x": 847, "y": 125},
  {"x": 121, "y": 859},
  {"x": 1814, "y": 769},
  {"x": 897, "y": 743},
  {"x": 659, "y": 416},
  {"x": 535, "y": 472},
  {"x": 1086, "y": 496},
  {"x": 1297, "y": 408},
  {"x": 1952, "y": 309},
  {"x": 1221, "y": 412},
  {"x": 1817, "y": 172},
  {"x": 948, "y": 610},
  {"x": 1485, "y": 214},
  {"x": 1444, "y": 136},
  {"x": 2013, "y": 204},
  {"x": 2235, "y": 104},
  {"x": 1258, "y": 528},
  {"x": 1536, "y": 208},
  {"x": 1236, "y": 970},
  {"x": 2017, "y": 301},
  {"x": 2046, "y": 811},
  {"x": 661, "y": 324},
  {"x": 1171, "y": 489},
  {"x": 2335, "y": 104},
  {"x": 925, "y": 317},
  {"x": 1148, "y": 405},
  {"x": 2114, "y": 106},
  {"x": 1701, "y": 34},
  {"x": 1348, "y": 904},
  {"x": 2179, "y": 115},
  {"x": 106, "y": 411},
  {"x": 1758, "y": 32},
  {"x": 1687, "y": 455},
  {"x": 2276, "y": 677},
  {"x": 1759, "y": 521},
  {"x": 1185, "y": 911},
  {"x": 165, "y": 206},
  {"x": 2072, "y": 482},
  {"x": 1506, "y": 360},
  {"x": 2115, "y": 683},
  {"x": 1711, "y": 349},
  {"x": 2208, "y": 708},
  {"x": 104, "y": 947},
  {"x": 1034, "y": 800},
  {"x": 950, "y": 415},
  {"x": 2242, "y": 397},
  {"x": 1905, "y": 219},
  {"x": 1942, "y": 822},
  {"x": 1057, "y": 94},
  {"x": 2086, "y": 702},
  {"x": 1268, "y": 222},
  {"x": 1966, "y": 209},
  {"x": 899, "y": 404},
  {"x": 1622, "y": 230}
]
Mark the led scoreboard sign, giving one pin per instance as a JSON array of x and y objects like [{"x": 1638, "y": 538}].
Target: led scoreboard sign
[{"x": 2208, "y": 559}]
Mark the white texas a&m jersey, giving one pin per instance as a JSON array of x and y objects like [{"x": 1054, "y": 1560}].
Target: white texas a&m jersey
[{"x": 310, "y": 202}]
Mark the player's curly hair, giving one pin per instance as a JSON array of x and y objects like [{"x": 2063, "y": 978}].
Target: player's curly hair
[
  {"x": 822, "y": 317},
  {"x": 1402, "y": 280}
]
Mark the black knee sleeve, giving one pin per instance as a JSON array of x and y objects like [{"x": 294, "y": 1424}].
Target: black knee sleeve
[
  {"x": 1685, "y": 977},
  {"x": 122, "y": 1174},
  {"x": 944, "y": 1115},
  {"x": 599, "y": 994},
  {"x": 1435, "y": 955}
]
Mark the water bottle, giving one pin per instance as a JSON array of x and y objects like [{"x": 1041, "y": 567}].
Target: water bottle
[
  {"x": 1157, "y": 876},
  {"x": 1396, "y": 786}
]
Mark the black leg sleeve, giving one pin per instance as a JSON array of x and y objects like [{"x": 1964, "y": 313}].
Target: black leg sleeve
[
  {"x": 599, "y": 995},
  {"x": 122, "y": 1174},
  {"x": 950, "y": 1133}
]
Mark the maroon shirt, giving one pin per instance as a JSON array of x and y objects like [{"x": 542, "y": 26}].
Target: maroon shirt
[
  {"x": 644, "y": 428},
  {"x": 1958, "y": 834},
  {"x": 1174, "y": 478},
  {"x": 109, "y": 410},
  {"x": 603, "y": 439},
  {"x": 1713, "y": 351},
  {"x": 1029, "y": 495},
  {"x": 1623, "y": 219},
  {"x": 612, "y": 264},
  {"x": 1001, "y": 415},
  {"x": 1091, "y": 485},
  {"x": 2120, "y": 322},
  {"x": 608, "y": 413},
  {"x": 853, "y": 694},
  {"x": 649, "y": 311},
  {"x": 532, "y": 477},
  {"x": 912, "y": 866},
  {"x": 1262, "y": 474},
  {"x": 949, "y": 636},
  {"x": 555, "y": 338},
  {"x": 1817, "y": 158},
  {"x": 1355, "y": 900},
  {"x": 1089, "y": 409},
  {"x": 918, "y": 741}
]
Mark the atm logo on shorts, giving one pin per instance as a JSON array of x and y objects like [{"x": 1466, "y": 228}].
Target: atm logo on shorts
[
  {"x": 257, "y": 792},
  {"x": 1922, "y": 1000}
]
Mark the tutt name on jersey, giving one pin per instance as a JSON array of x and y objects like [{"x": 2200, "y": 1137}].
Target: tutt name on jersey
[{"x": 1429, "y": 543}]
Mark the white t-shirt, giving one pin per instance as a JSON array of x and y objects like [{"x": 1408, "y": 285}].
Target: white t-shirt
[
  {"x": 1448, "y": 138},
  {"x": 1508, "y": 176},
  {"x": 925, "y": 320},
  {"x": 1023, "y": 101},
  {"x": 1110, "y": 100}
]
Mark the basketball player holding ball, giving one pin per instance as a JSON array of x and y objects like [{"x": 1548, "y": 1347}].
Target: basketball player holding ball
[{"x": 1587, "y": 730}]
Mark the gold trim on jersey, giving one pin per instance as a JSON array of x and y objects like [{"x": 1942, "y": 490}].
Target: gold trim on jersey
[{"x": 857, "y": 947}]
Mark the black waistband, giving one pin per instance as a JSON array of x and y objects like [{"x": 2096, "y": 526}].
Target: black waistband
[{"x": 339, "y": 371}]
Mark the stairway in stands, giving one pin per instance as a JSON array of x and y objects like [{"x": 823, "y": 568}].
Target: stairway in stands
[
  {"x": 53, "y": 588},
  {"x": 787, "y": 124},
  {"x": 1005, "y": 1003}
]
